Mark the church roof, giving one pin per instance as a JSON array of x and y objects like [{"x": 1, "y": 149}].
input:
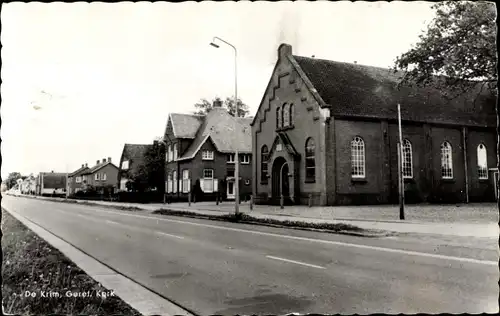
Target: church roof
[{"x": 367, "y": 91}]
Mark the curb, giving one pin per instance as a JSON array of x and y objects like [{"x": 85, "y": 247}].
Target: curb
[
  {"x": 138, "y": 296},
  {"x": 379, "y": 234}
]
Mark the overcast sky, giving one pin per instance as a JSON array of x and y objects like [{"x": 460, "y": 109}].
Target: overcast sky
[{"x": 102, "y": 75}]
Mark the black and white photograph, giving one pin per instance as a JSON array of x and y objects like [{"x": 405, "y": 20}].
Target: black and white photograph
[{"x": 249, "y": 158}]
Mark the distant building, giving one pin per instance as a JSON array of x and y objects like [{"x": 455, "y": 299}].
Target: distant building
[
  {"x": 51, "y": 183},
  {"x": 329, "y": 130},
  {"x": 102, "y": 175},
  {"x": 200, "y": 153},
  {"x": 75, "y": 179}
]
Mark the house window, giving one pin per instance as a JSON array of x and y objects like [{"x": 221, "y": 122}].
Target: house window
[
  {"x": 230, "y": 173},
  {"x": 125, "y": 165},
  {"x": 482, "y": 162},
  {"x": 208, "y": 180},
  {"x": 230, "y": 158},
  {"x": 208, "y": 155},
  {"x": 358, "y": 158},
  {"x": 286, "y": 115},
  {"x": 96, "y": 176},
  {"x": 310, "y": 160},
  {"x": 245, "y": 159},
  {"x": 175, "y": 152},
  {"x": 264, "y": 156},
  {"x": 278, "y": 117},
  {"x": 185, "y": 181},
  {"x": 407, "y": 160},
  {"x": 174, "y": 181},
  {"x": 78, "y": 179},
  {"x": 169, "y": 182},
  {"x": 170, "y": 154},
  {"x": 446, "y": 161},
  {"x": 291, "y": 115}
]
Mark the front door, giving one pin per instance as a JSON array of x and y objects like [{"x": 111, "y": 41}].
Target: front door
[
  {"x": 230, "y": 190},
  {"x": 280, "y": 180}
]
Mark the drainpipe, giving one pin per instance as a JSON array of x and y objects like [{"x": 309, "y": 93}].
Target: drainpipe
[{"x": 464, "y": 135}]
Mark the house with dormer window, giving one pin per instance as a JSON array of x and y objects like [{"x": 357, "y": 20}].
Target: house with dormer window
[
  {"x": 327, "y": 131},
  {"x": 200, "y": 155}
]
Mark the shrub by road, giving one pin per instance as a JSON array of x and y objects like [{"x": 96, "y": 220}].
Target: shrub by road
[{"x": 31, "y": 265}]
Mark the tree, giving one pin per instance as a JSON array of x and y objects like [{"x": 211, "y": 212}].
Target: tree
[
  {"x": 459, "y": 47},
  {"x": 12, "y": 178},
  {"x": 204, "y": 106},
  {"x": 150, "y": 175}
]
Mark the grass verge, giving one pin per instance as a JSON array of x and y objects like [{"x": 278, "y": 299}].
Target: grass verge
[
  {"x": 248, "y": 219},
  {"x": 31, "y": 265}
]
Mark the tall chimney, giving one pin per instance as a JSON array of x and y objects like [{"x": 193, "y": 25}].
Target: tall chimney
[
  {"x": 83, "y": 165},
  {"x": 109, "y": 159},
  {"x": 86, "y": 164},
  {"x": 217, "y": 103},
  {"x": 103, "y": 160},
  {"x": 97, "y": 162}
]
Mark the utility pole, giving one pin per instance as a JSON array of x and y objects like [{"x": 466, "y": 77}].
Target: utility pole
[{"x": 400, "y": 169}]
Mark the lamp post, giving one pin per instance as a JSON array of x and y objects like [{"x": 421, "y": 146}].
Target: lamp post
[{"x": 237, "y": 167}]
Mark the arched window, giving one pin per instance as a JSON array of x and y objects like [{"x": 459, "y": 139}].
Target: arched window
[
  {"x": 286, "y": 115},
  {"x": 264, "y": 157},
  {"x": 310, "y": 160},
  {"x": 482, "y": 162},
  {"x": 291, "y": 114},
  {"x": 407, "y": 160},
  {"x": 358, "y": 158},
  {"x": 446, "y": 161},
  {"x": 278, "y": 117}
]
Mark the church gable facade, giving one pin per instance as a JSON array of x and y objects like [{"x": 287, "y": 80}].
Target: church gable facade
[{"x": 328, "y": 132}]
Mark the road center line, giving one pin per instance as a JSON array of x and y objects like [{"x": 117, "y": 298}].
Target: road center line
[
  {"x": 337, "y": 243},
  {"x": 296, "y": 262},
  {"x": 170, "y": 235}
]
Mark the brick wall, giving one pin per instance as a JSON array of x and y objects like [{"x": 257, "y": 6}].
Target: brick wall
[{"x": 286, "y": 86}]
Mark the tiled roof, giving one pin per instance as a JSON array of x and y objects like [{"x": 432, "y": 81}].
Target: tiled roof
[
  {"x": 136, "y": 153},
  {"x": 226, "y": 132},
  {"x": 98, "y": 167},
  {"x": 78, "y": 171},
  {"x": 185, "y": 125},
  {"x": 358, "y": 90}
]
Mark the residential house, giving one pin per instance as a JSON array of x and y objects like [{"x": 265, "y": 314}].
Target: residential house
[
  {"x": 28, "y": 185},
  {"x": 133, "y": 158},
  {"x": 75, "y": 179},
  {"x": 51, "y": 183},
  {"x": 101, "y": 176},
  {"x": 328, "y": 131},
  {"x": 200, "y": 154}
]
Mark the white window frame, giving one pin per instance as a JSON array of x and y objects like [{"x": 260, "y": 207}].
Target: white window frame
[
  {"x": 446, "y": 160},
  {"x": 407, "y": 152},
  {"x": 175, "y": 152},
  {"x": 125, "y": 165},
  {"x": 78, "y": 179},
  {"x": 482, "y": 171},
  {"x": 207, "y": 155},
  {"x": 96, "y": 177},
  {"x": 245, "y": 159},
  {"x": 358, "y": 158},
  {"x": 285, "y": 116},
  {"x": 186, "y": 183},
  {"x": 231, "y": 158},
  {"x": 174, "y": 181},
  {"x": 208, "y": 179},
  {"x": 103, "y": 176},
  {"x": 169, "y": 182}
]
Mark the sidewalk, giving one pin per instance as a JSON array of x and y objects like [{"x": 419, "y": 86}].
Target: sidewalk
[{"x": 472, "y": 220}]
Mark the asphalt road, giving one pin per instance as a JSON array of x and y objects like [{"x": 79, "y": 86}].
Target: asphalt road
[{"x": 224, "y": 268}]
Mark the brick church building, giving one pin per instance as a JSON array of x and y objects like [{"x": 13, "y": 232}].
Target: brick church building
[{"x": 329, "y": 130}]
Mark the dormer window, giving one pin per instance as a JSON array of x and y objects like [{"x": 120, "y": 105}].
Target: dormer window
[
  {"x": 208, "y": 155},
  {"x": 125, "y": 165}
]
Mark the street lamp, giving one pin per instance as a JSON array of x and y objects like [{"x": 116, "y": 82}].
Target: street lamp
[{"x": 237, "y": 167}]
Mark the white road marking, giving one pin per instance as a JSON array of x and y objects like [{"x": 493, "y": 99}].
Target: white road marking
[
  {"x": 170, "y": 235},
  {"x": 296, "y": 262},
  {"x": 337, "y": 243},
  {"x": 113, "y": 222}
]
